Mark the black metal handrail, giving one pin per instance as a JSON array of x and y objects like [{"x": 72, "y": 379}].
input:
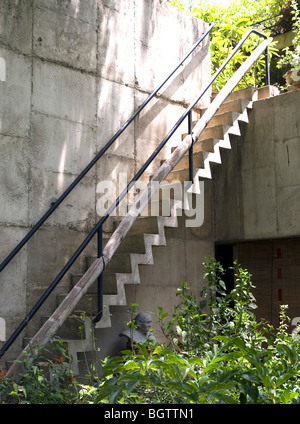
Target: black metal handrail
[
  {"x": 55, "y": 205},
  {"x": 98, "y": 226},
  {"x": 96, "y": 229}
]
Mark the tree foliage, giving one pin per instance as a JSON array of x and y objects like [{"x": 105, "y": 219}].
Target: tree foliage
[{"x": 232, "y": 21}]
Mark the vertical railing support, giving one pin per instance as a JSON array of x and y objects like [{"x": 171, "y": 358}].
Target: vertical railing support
[
  {"x": 100, "y": 279},
  {"x": 191, "y": 160},
  {"x": 267, "y": 66}
]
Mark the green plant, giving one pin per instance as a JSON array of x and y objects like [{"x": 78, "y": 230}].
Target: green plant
[
  {"x": 291, "y": 57},
  {"x": 232, "y": 21},
  {"x": 218, "y": 354},
  {"x": 184, "y": 328},
  {"x": 85, "y": 319},
  {"x": 43, "y": 380},
  {"x": 244, "y": 363},
  {"x": 194, "y": 323},
  {"x": 131, "y": 324}
]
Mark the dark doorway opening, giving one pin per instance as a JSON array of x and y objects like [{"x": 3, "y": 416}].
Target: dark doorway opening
[{"x": 224, "y": 253}]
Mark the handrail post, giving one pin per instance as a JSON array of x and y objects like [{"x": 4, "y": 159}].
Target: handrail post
[
  {"x": 267, "y": 66},
  {"x": 191, "y": 160},
  {"x": 100, "y": 278}
]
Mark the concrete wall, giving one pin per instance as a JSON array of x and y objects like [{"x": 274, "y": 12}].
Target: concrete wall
[
  {"x": 256, "y": 196},
  {"x": 75, "y": 71},
  {"x": 257, "y": 188}
]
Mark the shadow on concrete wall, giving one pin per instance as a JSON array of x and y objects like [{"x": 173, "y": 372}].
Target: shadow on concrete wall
[{"x": 75, "y": 53}]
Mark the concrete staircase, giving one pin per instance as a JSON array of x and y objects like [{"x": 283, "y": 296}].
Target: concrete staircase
[{"x": 149, "y": 231}]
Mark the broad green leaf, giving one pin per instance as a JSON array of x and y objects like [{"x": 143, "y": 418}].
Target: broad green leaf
[
  {"x": 251, "y": 377},
  {"x": 142, "y": 347},
  {"x": 289, "y": 352},
  {"x": 215, "y": 363},
  {"x": 215, "y": 387},
  {"x": 285, "y": 377}
]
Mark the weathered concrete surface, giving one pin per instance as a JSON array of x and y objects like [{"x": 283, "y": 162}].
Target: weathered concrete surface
[
  {"x": 15, "y": 95},
  {"x": 257, "y": 191},
  {"x": 75, "y": 71}
]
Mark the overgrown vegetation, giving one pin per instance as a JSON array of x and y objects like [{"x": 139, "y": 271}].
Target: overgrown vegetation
[
  {"x": 217, "y": 353},
  {"x": 290, "y": 60},
  {"x": 233, "y": 20},
  {"x": 46, "y": 377}
]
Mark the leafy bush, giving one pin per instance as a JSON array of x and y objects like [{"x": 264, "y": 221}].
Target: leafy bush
[
  {"x": 291, "y": 58},
  {"x": 43, "y": 380},
  {"x": 222, "y": 356},
  {"x": 217, "y": 353},
  {"x": 233, "y": 19}
]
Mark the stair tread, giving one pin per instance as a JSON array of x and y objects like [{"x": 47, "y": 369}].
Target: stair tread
[
  {"x": 205, "y": 145},
  {"x": 120, "y": 263},
  {"x": 237, "y": 105},
  {"x": 148, "y": 225},
  {"x": 217, "y": 131},
  {"x": 227, "y": 117},
  {"x": 133, "y": 243},
  {"x": 198, "y": 161}
]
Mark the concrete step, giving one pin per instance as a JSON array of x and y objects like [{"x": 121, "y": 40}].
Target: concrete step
[
  {"x": 199, "y": 147},
  {"x": 120, "y": 263},
  {"x": 253, "y": 93},
  {"x": 226, "y": 118},
  {"x": 216, "y": 131},
  {"x": 88, "y": 303},
  {"x": 76, "y": 277},
  {"x": 180, "y": 175},
  {"x": 143, "y": 225},
  {"x": 109, "y": 284},
  {"x": 160, "y": 207},
  {"x": 267, "y": 91},
  {"x": 85, "y": 360},
  {"x": 90, "y": 260},
  {"x": 206, "y": 145},
  {"x": 132, "y": 244},
  {"x": 238, "y": 105},
  {"x": 249, "y": 93},
  {"x": 198, "y": 161}
]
